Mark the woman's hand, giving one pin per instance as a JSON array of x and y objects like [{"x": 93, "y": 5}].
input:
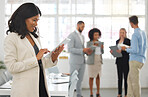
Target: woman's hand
[
  {"x": 41, "y": 53},
  {"x": 56, "y": 53},
  {"x": 96, "y": 44},
  {"x": 119, "y": 51},
  {"x": 87, "y": 50},
  {"x": 111, "y": 51},
  {"x": 123, "y": 48},
  {"x": 102, "y": 46}
]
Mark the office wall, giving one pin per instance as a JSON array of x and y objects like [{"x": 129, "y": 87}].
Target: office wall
[{"x": 2, "y": 27}]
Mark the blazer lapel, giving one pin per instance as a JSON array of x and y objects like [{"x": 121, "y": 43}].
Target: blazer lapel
[
  {"x": 36, "y": 41},
  {"x": 124, "y": 42},
  {"x": 28, "y": 44}
]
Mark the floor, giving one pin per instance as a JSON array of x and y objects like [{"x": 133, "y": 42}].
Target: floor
[
  {"x": 104, "y": 93},
  {"x": 110, "y": 93}
]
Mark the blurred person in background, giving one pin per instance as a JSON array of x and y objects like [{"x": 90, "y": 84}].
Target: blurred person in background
[
  {"x": 94, "y": 60},
  {"x": 137, "y": 59},
  {"x": 77, "y": 51},
  {"x": 122, "y": 62}
]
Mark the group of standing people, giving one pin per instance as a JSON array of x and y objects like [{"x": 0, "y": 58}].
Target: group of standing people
[
  {"x": 77, "y": 59},
  {"x": 24, "y": 55},
  {"x": 128, "y": 66}
]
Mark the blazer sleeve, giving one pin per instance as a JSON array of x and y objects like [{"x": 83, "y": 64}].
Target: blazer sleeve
[
  {"x": 102, "y": 49},
  {"x": 90, "y": 45},
  {"x": 47, "y": 61},
  {"x": 10, "y": 60},
  {"x": 71, "y": 47}
]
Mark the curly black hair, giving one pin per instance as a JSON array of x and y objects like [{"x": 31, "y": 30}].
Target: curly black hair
[
  {"x": 91, "y": 33},
  {"x": 17, "y": 22}
]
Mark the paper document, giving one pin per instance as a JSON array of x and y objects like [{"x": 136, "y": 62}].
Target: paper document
[
  {"x": 115, "y": 53},
  {"x": 65, "y": 41},
  {"x": 98, "y": 51},
  {"x": 121, "y": 45}
]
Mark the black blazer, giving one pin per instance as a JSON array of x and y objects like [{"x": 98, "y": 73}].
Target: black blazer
[{"x": 125, "y": 56}]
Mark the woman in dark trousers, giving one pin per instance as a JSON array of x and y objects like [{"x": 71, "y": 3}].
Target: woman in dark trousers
[{"x": 122, "y": 62}]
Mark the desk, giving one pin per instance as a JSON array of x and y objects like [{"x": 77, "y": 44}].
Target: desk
[{"x": 57, "y": 86}]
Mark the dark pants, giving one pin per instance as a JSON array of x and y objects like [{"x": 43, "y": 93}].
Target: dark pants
[{"x": 122, "y": 70}]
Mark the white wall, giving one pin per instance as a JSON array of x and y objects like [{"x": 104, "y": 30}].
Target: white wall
[{"x": 2, "y": 28}]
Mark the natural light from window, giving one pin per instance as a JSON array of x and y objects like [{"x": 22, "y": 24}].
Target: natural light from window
[{"x": 60, "y": 17}]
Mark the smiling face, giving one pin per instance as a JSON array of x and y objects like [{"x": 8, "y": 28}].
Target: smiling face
[{"x": 31, "y": 23}]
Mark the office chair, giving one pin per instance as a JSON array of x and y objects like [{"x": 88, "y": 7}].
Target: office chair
[{"x": 72, "y": 85}]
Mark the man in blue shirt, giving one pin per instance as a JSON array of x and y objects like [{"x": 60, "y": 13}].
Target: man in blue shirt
[{"x": 137, "y": 59}]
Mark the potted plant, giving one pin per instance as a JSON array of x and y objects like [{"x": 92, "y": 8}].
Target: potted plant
[
  {"x": 2, "y": 75},
  {"x": 2, "y": 66}
]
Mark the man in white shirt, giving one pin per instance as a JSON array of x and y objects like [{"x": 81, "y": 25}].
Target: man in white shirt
[{"x": 77, "y": 51}]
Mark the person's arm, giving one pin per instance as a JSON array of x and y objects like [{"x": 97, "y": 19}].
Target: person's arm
[
  {"x": 127, "y": 42},
  {"x": 92, "y": 48},
  {"x": 53, "y": 59},
  {"x": 11, "y": 60},
  {"x": 48, "y": 62},
  {"x": 71, "y": 47},
  {"x": 102, "y": 47},
  {"x": 134, "y": 45}
]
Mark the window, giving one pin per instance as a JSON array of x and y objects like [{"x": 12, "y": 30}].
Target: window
[{"x": 60, "y": 17}]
